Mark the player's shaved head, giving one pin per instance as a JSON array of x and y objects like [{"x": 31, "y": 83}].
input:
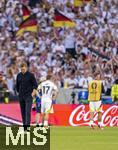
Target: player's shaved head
[{"x": 49, "y": 77}]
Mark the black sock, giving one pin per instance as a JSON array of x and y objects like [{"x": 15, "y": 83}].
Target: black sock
[{"x": 25, "y": 127}]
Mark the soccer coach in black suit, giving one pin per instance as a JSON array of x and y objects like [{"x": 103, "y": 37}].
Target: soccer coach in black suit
[{"x": 26, "y": 86}]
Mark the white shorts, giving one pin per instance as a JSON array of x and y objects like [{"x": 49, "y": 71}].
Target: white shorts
[
  {"x": 95, "y": 106},
  {"x": 46, "y": 106}
]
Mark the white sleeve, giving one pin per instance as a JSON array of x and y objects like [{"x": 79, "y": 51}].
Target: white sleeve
[
  {"x": 39, "y": 87},
  {"x": 81, "y": 82},
  {"x": 55, "y": 88}
]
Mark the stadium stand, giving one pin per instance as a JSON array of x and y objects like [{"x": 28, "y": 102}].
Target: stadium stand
[{"x": 73, "y": 54}]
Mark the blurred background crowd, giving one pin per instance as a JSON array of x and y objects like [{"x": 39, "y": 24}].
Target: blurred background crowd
[{"x": 73, "y": 55}]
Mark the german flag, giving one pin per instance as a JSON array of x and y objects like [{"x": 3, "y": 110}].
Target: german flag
[
  {"x": 30, "y": 24},
  {"x": 60, "y": 20},
  {"x": 78, "y": 3},
  {"x": 26, "y": 12}
]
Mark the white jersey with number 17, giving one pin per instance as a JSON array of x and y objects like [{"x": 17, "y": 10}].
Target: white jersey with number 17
[{"x": 47, "y": 88}]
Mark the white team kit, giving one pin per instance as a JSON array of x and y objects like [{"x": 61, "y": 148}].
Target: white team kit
[{"x": 47, "y": 89}]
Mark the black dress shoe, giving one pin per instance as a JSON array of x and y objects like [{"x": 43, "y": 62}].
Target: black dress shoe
[{"x": 37, "y": 125}]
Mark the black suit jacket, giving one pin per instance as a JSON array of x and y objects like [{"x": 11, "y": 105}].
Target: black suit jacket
[{"x": 25, "y": 83}]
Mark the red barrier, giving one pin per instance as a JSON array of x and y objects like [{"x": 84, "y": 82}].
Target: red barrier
[
  {"x": 64, "y": 115},
  {"x": 78, "y": 115}
]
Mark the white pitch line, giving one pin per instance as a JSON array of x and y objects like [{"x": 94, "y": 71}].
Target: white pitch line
[
  {"x": 3, "y": 123},
  {"x": 10, "y": 120}
]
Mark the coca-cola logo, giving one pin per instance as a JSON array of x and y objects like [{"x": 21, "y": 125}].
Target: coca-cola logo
[{"x": 80, "y": 116}]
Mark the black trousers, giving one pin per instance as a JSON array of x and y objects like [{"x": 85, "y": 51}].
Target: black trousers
[{"x": 25, "y": 106}]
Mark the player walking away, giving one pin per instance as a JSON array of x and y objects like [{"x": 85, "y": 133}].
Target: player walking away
[
  {"x": 49, "y": 91},
  {"x": 95, "y": 90},
  {"x": 38, "y": 104}
]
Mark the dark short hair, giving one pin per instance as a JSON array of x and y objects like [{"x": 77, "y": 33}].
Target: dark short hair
[
  {"x": 24, "y": 64},
  {"x": 96, "y": 74}
]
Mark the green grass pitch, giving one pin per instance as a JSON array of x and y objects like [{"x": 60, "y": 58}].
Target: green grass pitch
[
  {"x": 72, "y": 138},
  {"x": 84, "y": 138}
]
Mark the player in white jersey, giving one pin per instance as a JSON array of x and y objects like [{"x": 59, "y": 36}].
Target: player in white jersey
[
  {"x": 38, "y": 104},
  {"x": 49, "y": 91}
]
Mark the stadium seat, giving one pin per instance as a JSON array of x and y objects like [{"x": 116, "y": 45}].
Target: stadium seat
[
  {"x": 83, "y": 96},
  {"x": 107, "y": 100}
]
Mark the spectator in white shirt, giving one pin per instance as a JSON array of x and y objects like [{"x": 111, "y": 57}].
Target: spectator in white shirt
[
  {"x": 84, "y": 80},
  {"x": 59, "y": 48},
  {"x": 70, "y": 43}
]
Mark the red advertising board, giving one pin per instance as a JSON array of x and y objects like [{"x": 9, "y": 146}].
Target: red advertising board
[
  {"x": 64, "y": 115},
  {"x": 78, "y": 115}
]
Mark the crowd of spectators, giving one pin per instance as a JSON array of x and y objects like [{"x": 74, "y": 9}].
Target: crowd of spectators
[{"x": 73, "y": 55}]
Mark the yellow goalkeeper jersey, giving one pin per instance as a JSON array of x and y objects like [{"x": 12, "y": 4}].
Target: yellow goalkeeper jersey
[
  {"x": 114, "y": 91},
  {"x": 95, "y": 90}
]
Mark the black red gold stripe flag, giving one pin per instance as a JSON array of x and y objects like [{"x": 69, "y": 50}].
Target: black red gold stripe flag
[
  {"x": 60, "y": 20},
  {"x": 79, "y": 3},
  {"x": 30, "y": 24},
  {"x": 26, "y": 12}
]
